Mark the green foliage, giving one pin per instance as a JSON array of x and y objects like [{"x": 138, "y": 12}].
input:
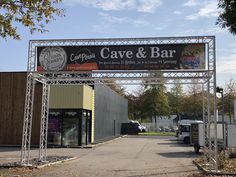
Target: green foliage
[
  {"x": 135, "y": 102},
  {"x": 133, "y": 108},
  {"x": 176, "y": 98},
  {"x": 155, "y": 100},
  {"x": 149, "y": 102},
  {"x": 227, "y": 17},
  {"x": 193, "y": 102},
  {"x": 115, "y": 87},
  {"x": 192, "y": 105},
  {"x": 33, "y": 14},
  {"x": 229, "y": 96}
]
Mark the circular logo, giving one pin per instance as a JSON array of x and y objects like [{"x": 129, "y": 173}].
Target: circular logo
[{"x": 53, "y": 58}]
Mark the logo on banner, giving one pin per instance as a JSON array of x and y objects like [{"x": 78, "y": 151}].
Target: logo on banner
[
  {"x": 82, "y": 56},
  {"x": 53, "y": 58},
  {"x": 193, "y": 57}
]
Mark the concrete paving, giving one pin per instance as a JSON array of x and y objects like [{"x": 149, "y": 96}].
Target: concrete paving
[{"x": 131, "y": 156}]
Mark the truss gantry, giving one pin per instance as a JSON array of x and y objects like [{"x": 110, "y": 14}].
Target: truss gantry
[{"x": 206, "y": 77}]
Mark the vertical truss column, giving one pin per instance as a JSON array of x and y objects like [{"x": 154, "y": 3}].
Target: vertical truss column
[
  {"x": 212, "y": 127},
  {"x": 29, "y": 104},
  {"x": 27, "y": 122},
  {"x": 213, "y": 89},
  {"x": 212, "y": 124},
  {"x": 211, "y": 144},
  {"x": 205, "y": 122},
  {"x": 44, "y": 123}
]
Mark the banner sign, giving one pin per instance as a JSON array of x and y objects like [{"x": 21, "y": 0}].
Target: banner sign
[{"x": 121, "y": 57}]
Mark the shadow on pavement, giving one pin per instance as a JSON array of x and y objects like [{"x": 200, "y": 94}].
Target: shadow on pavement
[
  {"x": 9, "y": 149},
  {"x": 182, "y": 154},
  {"x": 175, "y": 144},
  {"x": 175, "y": 173},
  {"x": 168, "y": 138}
]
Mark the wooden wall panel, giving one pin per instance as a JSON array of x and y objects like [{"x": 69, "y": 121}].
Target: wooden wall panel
[
  {"x": 6, "y": 111},
  {"x": 12, "y": 101},
  {"x": 17, "y": 109},
  {"x": 35, "y": 136}
]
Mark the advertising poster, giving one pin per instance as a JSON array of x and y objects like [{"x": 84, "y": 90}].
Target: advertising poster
[{"x": 121, "y": 57}]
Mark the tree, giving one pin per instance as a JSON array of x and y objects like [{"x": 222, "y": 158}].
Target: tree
[
  {"x": 176, "y": 99},
  {"x": 229, "y": 96},
  {"x": 135, "y": 102},
  {"x": 193, "y": 102},
  {"x": 192, "y": 105},
  {"x": 33, "y": 14},
  {"x": 227, "y": 17},
  {"x": 155, "y": 102},
  {"x": 115, "y": 87}
]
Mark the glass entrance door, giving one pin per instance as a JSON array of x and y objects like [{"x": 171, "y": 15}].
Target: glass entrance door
[
  {"x": 86, "y": 127},
  {"x": 54, "y": 127},
  {"x": 70, "y": 129},
  {"x": 84, "y": 134}
]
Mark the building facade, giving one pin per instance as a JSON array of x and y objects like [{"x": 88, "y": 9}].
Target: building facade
[{"x": 78, "y": 114}]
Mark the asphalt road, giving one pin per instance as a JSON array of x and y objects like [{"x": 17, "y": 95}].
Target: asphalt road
[{"x": 131, "y": 156}]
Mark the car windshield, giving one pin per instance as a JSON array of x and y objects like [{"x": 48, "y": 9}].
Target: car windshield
[
  {"x": 185, "y": 128},
  {"x": 135, "y": 122}
]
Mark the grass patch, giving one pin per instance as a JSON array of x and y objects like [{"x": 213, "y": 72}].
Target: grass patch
[{"x": 157, "y": 134}]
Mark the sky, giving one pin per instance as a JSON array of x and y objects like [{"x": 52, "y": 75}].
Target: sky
[{"x": 85, "y": 19}]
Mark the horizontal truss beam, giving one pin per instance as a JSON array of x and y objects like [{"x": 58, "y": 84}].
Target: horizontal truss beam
[{"x": 123, "y": 77}]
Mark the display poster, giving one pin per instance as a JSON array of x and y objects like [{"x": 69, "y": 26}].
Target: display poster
[{"x": 121, "y": 57}]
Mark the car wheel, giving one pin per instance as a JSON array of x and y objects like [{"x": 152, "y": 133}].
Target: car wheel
[
  {"x": 196, "y": 148},
  {"x": 186, "y": 140}
]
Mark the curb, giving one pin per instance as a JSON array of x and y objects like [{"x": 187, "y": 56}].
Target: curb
[
  {"x": 54, "y": 163},
  {"x": 208, "y": 172},
  {"x": 15, "y": 164},
  {"x": 107, "y": 141}
]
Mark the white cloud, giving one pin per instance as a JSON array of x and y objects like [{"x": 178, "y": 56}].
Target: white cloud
[
  {"x": 122, "y": 20},
  {"x": 139, "y": 22},
  {"x": 137, "y": 5},
  {"x": 177, "y": 12},
  {"x": 104, "y": 4},
  {"x": 233, "y": 46},
  {"x": 148, "y": 5},
  {"x": 101, "y": 28},
  {"x": 208, "y": 10},
  {"x": 203, "y": 31},
  {"x": 108, "y": 22},
  {"x": 226, "y": 64},
  {"x": 160, "y": 28},
  {"x": 192, "y": 17},
  {"x": 191, "y": 3},
  {"x": 113, "y": 19}
]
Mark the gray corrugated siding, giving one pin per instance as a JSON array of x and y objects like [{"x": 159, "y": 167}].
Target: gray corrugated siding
[{"x": 109, "y": 106}]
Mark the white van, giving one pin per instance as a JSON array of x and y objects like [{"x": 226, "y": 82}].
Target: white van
[{"x": 184, "y": 130}]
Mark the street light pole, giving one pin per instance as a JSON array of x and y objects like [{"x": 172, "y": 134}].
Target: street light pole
[{"x": 221, "y": 91}]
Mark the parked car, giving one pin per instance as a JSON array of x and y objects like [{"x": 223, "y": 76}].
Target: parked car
[
  {"x": 140, "y": 127},
  {"x": 167, "y": 129}
]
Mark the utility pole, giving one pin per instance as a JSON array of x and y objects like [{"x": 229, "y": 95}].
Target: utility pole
[{"x": 221, "y": 91}]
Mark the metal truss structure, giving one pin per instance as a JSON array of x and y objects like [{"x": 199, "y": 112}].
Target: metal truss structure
[{"x": 206, "y": 77}]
